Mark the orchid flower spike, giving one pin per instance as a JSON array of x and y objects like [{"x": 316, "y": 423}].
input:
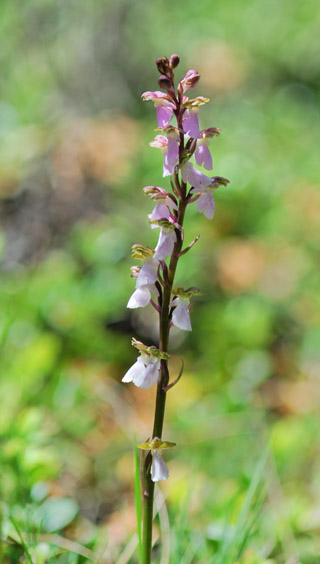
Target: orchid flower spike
[{"x": 162, "y": 104}]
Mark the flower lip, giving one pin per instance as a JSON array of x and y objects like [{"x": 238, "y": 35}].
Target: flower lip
[{"x": 140, "y": 297}]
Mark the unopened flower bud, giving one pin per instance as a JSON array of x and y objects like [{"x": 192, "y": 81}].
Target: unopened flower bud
[
  {"x": 174, "y": 61},
  {"x": 164, "y": 82},
  {"x": 162, "y": 65},
  {"x": 190, "y": 80}
]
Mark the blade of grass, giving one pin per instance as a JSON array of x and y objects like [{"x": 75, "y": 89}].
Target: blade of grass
[
  {"x": 25, "y": 548},
  {"x": 137, "y": 496},
  {"x": 128, "y": 551},
  {"x": 231, "y": 548},
  {"x": 242, "y": 524},
  {"x": 160, "y": 504}
]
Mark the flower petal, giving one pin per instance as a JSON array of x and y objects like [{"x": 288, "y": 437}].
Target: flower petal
[
  {"x": 140, "y": 298},
  {"x": 203, "y": 156},
  {"x": 150, "y": 376},
  {"x": 173, "y": 150},
  {"x": 136, "y": 370},
  {"x": 163, "y": 115},
  {"x": 159, "y": 469},
  {"x": 180, "y": 315},
  {"x": 148, "y": 273},
  {"x": 168, "y": 169},
  {"x": 165, "y": 244},
  {"x": 161, "y": 211},
  {"x": 196, "y": 178},
  {"x": 190, "y": 124},
  {"x": 205, "y": 204}
]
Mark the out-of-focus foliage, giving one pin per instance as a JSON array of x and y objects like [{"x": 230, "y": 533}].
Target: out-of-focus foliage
[{"x": 74, "y": 157}]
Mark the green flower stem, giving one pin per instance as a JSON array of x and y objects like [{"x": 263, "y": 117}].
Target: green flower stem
[{"x": 161, "y": 394}]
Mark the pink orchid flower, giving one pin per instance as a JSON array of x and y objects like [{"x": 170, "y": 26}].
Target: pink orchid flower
[
  {"x": 162, "y": 104},
  {"x": 145, "y": 284},
  {"x": 170, "y": 149},
  {"x": 144, "y": 372},
  {"x": 202, "y": 154}
]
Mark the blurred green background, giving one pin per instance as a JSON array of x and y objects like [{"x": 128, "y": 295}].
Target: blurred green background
[{"x": 74, "y": 157}]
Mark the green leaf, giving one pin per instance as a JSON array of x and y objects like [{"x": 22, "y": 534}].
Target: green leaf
[{"x": 57, "y": 512}]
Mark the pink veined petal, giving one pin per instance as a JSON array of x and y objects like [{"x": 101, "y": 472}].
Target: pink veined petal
[
  {"x": 180, "y": 315},
  {"x": 161, "y": 211},
  {"x": 197, "y": 179},
  {"x": 168, "y": 169},
  {"x": 150, "y": 376},
  {"x": 203, "y": 156},
  {"x": 159, "y": 469},
  {"x": 136, "y": 370},
  {"x": 148, "y": 273},
  {"x": 205, "y": 204},
  {"x": 140, "y": 298},
  {"x": 165, "y": 244},
  {"x": 163, "y": 115},
  {"x": 190, "y": 124},
  {"x": 173, "y": 150}
]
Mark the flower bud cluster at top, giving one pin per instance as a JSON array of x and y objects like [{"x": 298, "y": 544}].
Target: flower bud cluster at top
[{"x": 179, "y": 143}]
